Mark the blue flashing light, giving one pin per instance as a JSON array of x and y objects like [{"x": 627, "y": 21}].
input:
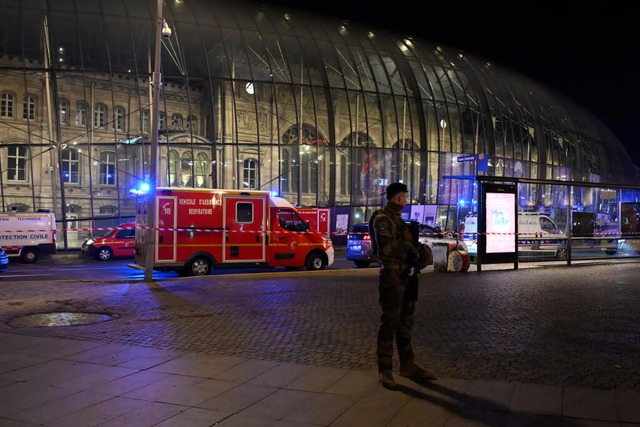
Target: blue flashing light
[{"x": 142, "y": 189}]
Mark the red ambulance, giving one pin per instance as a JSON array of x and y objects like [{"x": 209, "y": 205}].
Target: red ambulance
[{"x": 197, "y": 230}]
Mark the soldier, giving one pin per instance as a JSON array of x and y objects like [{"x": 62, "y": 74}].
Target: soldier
[{"x": 400, "y": 260}]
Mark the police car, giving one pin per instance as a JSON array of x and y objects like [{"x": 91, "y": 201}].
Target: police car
[
  {"x": 359, "y": 242},
  {"x": 4, "y": 261}
]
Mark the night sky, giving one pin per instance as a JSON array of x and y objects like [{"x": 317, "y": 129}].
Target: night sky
[{"x": 586, "y": 53}]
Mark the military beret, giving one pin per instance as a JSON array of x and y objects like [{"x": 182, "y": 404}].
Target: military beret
[{"x": 395, "y": 188}]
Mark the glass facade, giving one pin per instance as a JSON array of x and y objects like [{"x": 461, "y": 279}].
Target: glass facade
[{"x": 322, "y": 112}]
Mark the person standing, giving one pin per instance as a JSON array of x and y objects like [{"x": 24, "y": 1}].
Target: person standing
[{"x": 397, "y": 286}]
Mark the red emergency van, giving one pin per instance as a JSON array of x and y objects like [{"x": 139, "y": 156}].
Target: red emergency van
[{"x": 197, "y": 230}]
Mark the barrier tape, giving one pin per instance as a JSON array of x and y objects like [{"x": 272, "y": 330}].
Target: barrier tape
[{"x": 201, "y": 230}]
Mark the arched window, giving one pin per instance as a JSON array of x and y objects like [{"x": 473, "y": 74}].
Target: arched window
[
  {"x": 99, "y": 116},
  {"x": 107, "y": 168},
  {"x": 7, "y": 105},
  {"x": 17, "y": 163},
  {"x": 186, "y": 175},
  {"x": 17, "y": 207},
  {"x": 118, "y": 119},
  {"x": 286, "y": 167},
  {"x": 301, "y": 154},
  {"x": 162, "y": 122},
  {"x": 249, "y": 174},
  {"x": 172, "y": 169},
  {"x": 345, "y": 177},
  {"x": 202, "y": 170},
  {"x": 81, "y": 114},
  {"x": 176, "y": 121},
  {"x": 365, "y": 168},
  {"x": 29, "y": 107},
  {"x": 305, "y": 163},
  {"x": 144, "y": 121},
  {"x": 192, "y": 124},
  {"x": 70, "y": 166},
  {"x": 408, "y": 168},
  {"x": 63, "y": 111}
]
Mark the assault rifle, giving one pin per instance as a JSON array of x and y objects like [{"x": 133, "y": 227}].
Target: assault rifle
[{"x": 412, "y": 290}]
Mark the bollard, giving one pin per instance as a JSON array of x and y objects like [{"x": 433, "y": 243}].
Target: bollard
[{"x": 440, "y": 256}]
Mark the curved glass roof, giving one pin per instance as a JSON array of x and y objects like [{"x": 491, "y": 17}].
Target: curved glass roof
[{"x": 396, "y": 92}]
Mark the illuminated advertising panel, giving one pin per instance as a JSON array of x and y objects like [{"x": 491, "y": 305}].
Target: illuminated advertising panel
[
  {"x": 498, "y": 223},
  {"x": 501, "y": 222}
]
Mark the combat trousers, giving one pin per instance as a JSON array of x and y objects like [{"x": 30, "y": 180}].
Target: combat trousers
[{"x": 396, "y": 321}]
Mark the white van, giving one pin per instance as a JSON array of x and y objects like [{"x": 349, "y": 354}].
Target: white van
[
  {"x": 539, "y": 234},
  {"x": 28, "y": 235},
  {"x": 532, "y": 228},
  {"x": 539, "y": 237}
]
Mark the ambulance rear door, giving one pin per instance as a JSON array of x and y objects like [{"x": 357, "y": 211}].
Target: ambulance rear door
[
  {"x": 245, "y": 219},
  {"x": 166, "y": 234}
]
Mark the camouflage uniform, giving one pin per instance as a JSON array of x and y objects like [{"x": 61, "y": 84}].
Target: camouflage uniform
[{"x": 397, "y": 289}]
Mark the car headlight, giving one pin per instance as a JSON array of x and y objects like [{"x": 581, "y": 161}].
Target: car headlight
[{"x": 89, "y": 242}]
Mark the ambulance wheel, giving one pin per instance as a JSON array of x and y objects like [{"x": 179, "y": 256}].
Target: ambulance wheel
[
  {"x": 29, "y": 255},
  {"x": 316, "y": 261},
  {"x": 199, "y": 266},
  {"x": 104, "y": 254}
]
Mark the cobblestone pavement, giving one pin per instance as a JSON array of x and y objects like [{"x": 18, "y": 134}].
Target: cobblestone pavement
[{"x": 567, "y": 326}]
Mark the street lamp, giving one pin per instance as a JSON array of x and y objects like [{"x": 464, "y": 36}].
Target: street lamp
[{"x": 162, "y": 31}]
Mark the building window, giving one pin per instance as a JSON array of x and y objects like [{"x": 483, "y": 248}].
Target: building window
[
  {"x": 70, "y": 166},
  {"x": 172, "y": 169},
  {"x": 250, "y": 173},
  {"x": 108, "y": 210},
  {"x": 63, "y": 111},
  {"x": 6, "y": 105},
  {"x": 176, "y": 121},
  {"x": 162, "y": 123},
  {"x": 192, "y": 124},
  {"x": 201, "y": 170},
  {"x": 107, "y": 168},
  {"x": 99, "y": 116},
  {"x": 186, "y": 174},
  {"x": 17, "y": 207},
  {"x": 29, "y": 108},
  {"x": 144, "y": 121},
  {"x": 17, "y": 156},
  {"x": 300, "y": 169},
  {"x": 345, "y": 177},
  {"x": 81, "y": 114},
  {"x": 284, "y": 174},
  {"x": 118, "y": 119}
]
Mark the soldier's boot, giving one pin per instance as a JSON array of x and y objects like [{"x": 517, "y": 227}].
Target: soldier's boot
[
  {"x": 386, "y": 379},
  {"x": 416, "y": 372}
]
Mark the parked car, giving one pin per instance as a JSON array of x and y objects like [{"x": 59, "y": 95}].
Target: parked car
[
  {"x": 359, "y": 246},
  {"x": 4, "y": 261},
  {"x": 119, "y": 242},
  {"x": 359, "y": 242}
]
